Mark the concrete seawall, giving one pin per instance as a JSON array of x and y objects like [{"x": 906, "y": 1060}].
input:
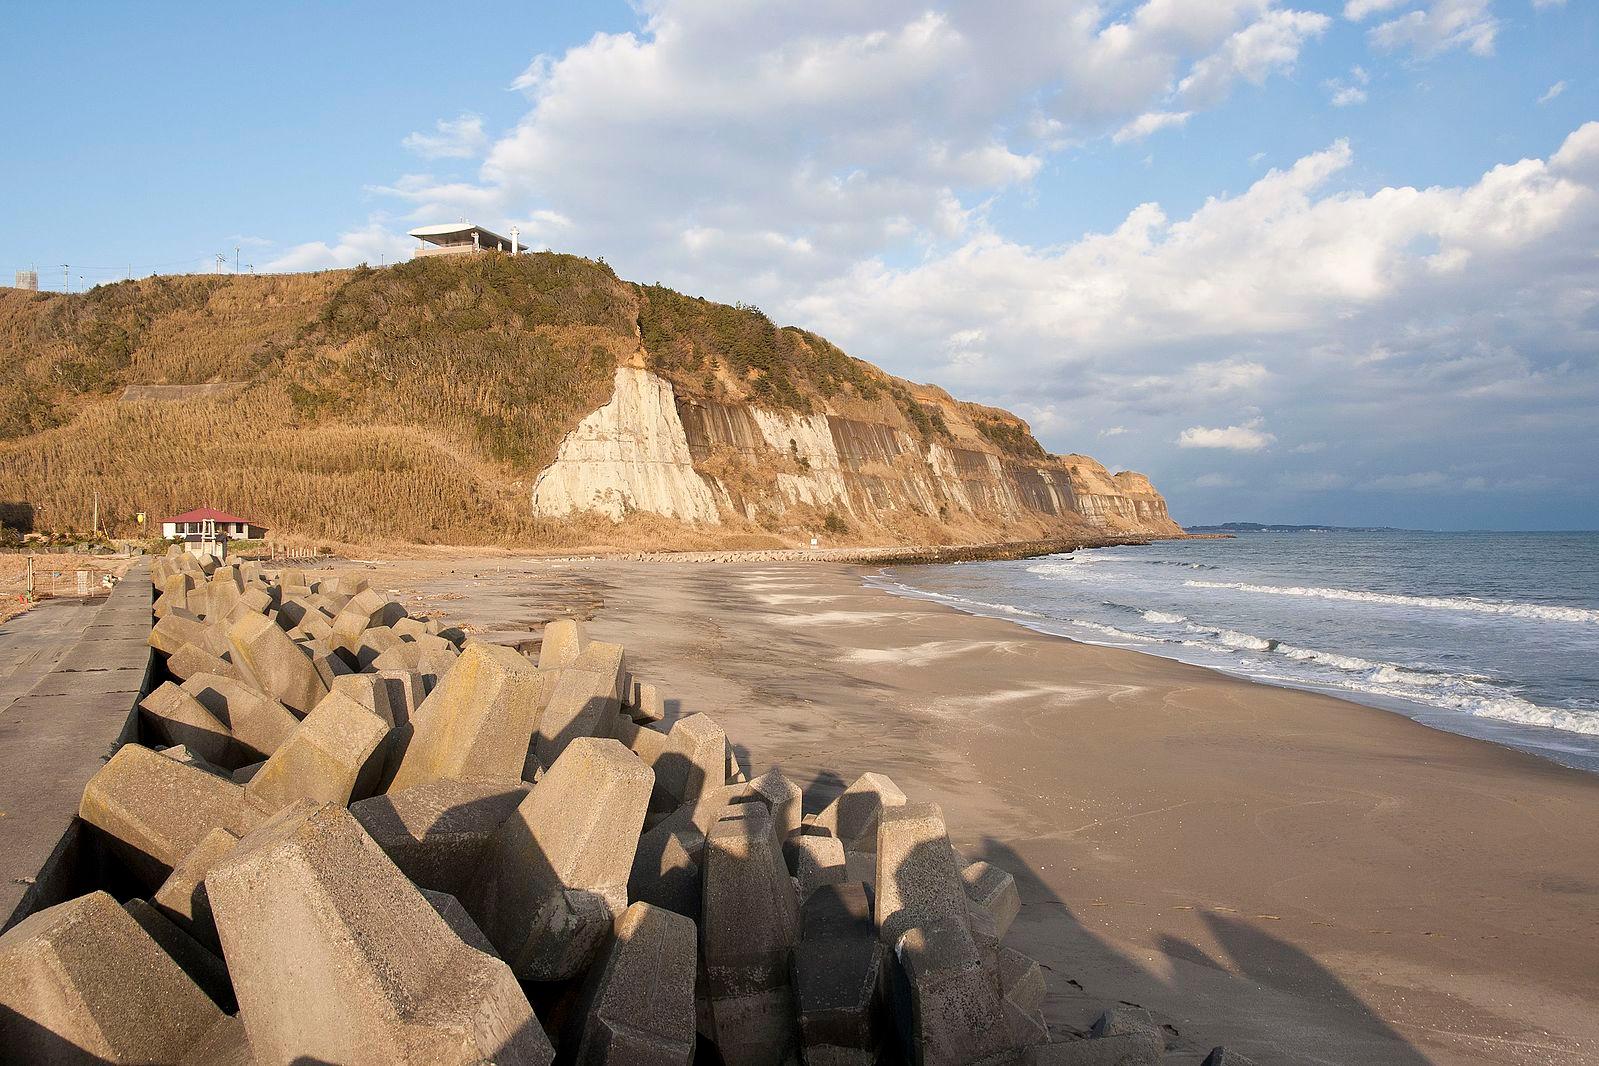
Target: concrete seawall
[{"x": 55, "y": 736}]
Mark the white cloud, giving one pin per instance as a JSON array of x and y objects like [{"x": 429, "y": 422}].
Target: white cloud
[
  {"x": 1349, "y": 91},
  {"x": 1356, "y": 10},
  {"x": 1215, "y": 481},
  {"x": 1113, "y": 431},
  {"x": 372, "y": 245},
  {"x": 1270, "y": 45},
  {"x": 1149, "y": 122},
  {"x": 1246, "y": 438},
  {"x": 1441, "y": 26},
  {"x": 1544, "y": 4},
  {"x": 767, "y": 144},
  {"x": 1554, "y": 90},
  {"x": 1289, "y": 253},
  {"x": 1387, "y": 320},
  {"x": 455, "y": 138}
]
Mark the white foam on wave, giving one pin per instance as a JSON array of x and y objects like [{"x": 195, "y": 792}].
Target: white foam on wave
[
  {"x": 1537, "y": 611},
  {"x": 1470, "y": 694},
  {"x": 1525, "y": 713},
  {"x": 1246, "y": 641},
  {"x": 1480, "y": 701},
  {"x": 1163, "y": 618},
  {"x": 1112, "y": 631},
  {"x": 1473, "y": 694},
  {"x": 1065, "y": 565}
]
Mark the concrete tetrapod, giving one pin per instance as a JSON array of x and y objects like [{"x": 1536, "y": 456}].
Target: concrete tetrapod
[
  {"x": 747, "y": 934},
  {"x": 695, "y": 759},
  {"x": 82, "y": 982},
  {"x": 947, "y": 991},
  {"x": 852, "y": 817},
  {"x": 839, "y": 978},
  {"x": 184, "y": 720},
  {"x": 638, "y": 1004},
  {"x": 258, "y": 722},
  {"x": 554, "y": 875},
  {"x": 477, "y": 722},
  {"x": 436, "y": 832},
  {"x": 182, "y": 897},
  {"x": 333, "y": 756},
  {"x": 157, "y": 810},
  {"x": 337, "y": 957},
  {"x": 275, "y": 664},
  {"x": 563, "y": 641},
  {"x": 581, "y": 703}
]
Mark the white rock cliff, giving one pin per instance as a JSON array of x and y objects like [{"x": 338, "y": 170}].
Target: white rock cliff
[{"x": 652, "y": 450}]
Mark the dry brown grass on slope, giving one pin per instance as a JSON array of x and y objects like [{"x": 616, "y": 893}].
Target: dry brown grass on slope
[
  {"x": 248, "y": 456},
  {"x": 411, "y": 404},
  {"x": 62, "y": 351}
]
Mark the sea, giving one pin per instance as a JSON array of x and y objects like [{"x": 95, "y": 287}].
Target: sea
[{"x": 1493, "y": 635}]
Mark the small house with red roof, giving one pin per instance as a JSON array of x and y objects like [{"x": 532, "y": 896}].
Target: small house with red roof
[{"x": 208, "y": 521}]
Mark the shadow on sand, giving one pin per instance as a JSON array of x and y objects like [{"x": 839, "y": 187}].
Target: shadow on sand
[{"x": 1289, "y": 1007}]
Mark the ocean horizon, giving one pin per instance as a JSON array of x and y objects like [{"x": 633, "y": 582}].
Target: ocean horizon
[{"x": 1489, "y": 634}]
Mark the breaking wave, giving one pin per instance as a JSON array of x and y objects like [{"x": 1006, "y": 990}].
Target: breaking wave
[
  {"x": 1163, "y": 618},
  {"x": 1065, "y": 565},
  {"x": 1468, "y": 693},
  {"x": 1269, "y": 631},
  {"x": 1112, "y": 631},
  {"x": 1540, "y": 612}
]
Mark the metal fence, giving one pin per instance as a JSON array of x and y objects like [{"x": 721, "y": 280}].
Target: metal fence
[{"x": 26, "y": 577}]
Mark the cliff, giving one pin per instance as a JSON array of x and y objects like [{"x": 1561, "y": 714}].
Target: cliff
[
  {"x": 489, "y": 399},
  {"x": 698, "y": 459}
]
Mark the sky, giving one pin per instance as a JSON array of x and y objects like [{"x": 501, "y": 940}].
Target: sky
[{"x": 1298, "y": 262}]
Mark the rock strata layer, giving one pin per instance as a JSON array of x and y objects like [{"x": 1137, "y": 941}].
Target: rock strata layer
[{"x": 653, "y": 449}]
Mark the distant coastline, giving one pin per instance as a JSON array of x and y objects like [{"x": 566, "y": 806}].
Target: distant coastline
[{"x": 1274, "y": 527}]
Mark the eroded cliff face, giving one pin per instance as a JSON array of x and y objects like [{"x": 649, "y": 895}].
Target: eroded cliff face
[
  {"x": 976, "y": 474},
  {"x": 630, "y": 455}
]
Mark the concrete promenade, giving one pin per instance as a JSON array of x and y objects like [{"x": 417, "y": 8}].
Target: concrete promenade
[{"x": 69, "y": 675}]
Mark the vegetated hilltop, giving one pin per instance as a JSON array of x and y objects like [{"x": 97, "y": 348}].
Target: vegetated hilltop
[{"x": 424, "y": 402}]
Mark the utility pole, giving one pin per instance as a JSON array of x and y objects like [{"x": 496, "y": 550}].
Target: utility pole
[
  {"x": 66, "y": 278},
  {"x": 235, "y": 258}
]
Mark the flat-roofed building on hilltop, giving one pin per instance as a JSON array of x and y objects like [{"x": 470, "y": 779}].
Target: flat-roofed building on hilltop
[{"x": 451, "y": 238}]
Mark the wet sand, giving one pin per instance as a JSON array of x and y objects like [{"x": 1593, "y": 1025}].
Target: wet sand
[{"x": 1301, "y": 878}]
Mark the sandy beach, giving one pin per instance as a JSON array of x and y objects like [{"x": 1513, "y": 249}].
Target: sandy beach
[{"x": 1300, "y": 878}]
